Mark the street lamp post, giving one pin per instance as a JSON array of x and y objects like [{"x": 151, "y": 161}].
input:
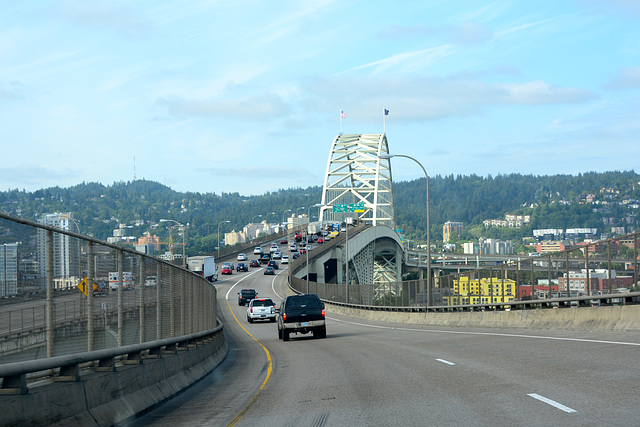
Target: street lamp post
[
  {"x": 266, "y": 218},
  {"x": 288, "y": 210},
  {"x": 298, "y": 215},
  {"x": 219, "y": 237},
  {"x": 389, "y": 156},
  {"x": 307, "y": 237},
  {"x": 254, "y": 217},
  {"x": 184, "y": 259}
]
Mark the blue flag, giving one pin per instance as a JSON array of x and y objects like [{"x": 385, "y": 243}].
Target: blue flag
[{"x": 386, "y": 112}]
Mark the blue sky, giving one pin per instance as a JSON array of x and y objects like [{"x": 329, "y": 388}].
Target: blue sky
[{"x": 244, "y": 96}]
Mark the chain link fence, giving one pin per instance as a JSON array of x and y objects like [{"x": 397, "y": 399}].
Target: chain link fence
[
  {"x": 592, "y": 274},
  {"x": 64, "y": 292}
]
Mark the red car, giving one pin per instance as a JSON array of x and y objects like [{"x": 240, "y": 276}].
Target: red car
[
  {"x": 283, "y": 242},
  {"x": 254, "y": 263},
  {"x": 226, "y": 270},
  {"x": 321, "y": 240}
]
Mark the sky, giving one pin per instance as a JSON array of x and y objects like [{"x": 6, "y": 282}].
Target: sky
[{"x": 245, "y": 96}]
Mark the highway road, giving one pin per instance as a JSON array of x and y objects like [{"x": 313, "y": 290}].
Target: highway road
[{"x": 367, "y": 373}]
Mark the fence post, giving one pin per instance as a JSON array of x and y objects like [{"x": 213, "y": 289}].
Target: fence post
[
  {"x": 172, "y": 303},
  {"x": 90, "y": 274},
  {"x": 568, "y": 272},
  {"x": 120, "y": 257},
  {"x": 159, "y": 302},
  {"x": 609, "y": 267},
  {"x": 186, "y": 299},
  {"x": 141, "y": 300},
  {"x": 49, "y": 284},
  {"x": 587, "y": 268}
]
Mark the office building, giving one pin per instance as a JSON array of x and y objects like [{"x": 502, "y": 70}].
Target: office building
[
  {"x": 8, "y": 269},
  {"x": 66, "y": 249}
]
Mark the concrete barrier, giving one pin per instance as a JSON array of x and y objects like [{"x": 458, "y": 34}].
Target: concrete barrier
[
  {"x": 109, "y": 398},
  {"x": 614, "y": 318}
]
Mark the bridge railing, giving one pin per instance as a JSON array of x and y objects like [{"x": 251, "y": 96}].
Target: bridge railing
[
  {"x": 592, "y": 274},
  {"x": 136, "y": 298}
]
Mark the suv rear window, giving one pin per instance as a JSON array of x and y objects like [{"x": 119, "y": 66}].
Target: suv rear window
[
  {"x": 302, "y": 301},
  {"x": 262, "y": 303},
  {"x": 248, "y": 293}
]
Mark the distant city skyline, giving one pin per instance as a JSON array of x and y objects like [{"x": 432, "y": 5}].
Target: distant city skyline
[{"x": 247, "y": 97}]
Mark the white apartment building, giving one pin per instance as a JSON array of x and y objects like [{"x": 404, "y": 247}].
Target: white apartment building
[{"x": 66, "y": 249}]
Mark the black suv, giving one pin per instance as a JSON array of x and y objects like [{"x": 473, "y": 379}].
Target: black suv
[
  {"x": 246, "y": 295},
  {"x": 301, "y": 314}
]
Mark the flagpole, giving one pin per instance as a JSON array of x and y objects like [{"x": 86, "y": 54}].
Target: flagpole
[{"x": 384, "y": 121}]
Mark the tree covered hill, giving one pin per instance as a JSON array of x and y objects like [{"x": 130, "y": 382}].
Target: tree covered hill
[{"x": 558, "y": 201}]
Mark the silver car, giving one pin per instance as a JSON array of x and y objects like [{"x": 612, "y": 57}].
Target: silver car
[{"x": 261, "y": 309}]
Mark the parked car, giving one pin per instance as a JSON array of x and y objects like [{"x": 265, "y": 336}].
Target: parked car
[
  {"x": 254, "y": 263},
  {"x": 246, "y": 295},
  {"x": 261, "y": 309},
  {"x": 242, "y": 257},
  {"x": 242, "y": 267},
  {"x": 285, "y": 259},
  {"x": 273, "y": 264},
  {"x": 269, "y": 270}
]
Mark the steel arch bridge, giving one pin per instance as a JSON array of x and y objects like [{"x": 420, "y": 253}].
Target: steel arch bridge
[{"x": 356, "y": 174}]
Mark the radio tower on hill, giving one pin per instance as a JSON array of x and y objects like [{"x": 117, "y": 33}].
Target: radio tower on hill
[{"x": 134, "y": 168}]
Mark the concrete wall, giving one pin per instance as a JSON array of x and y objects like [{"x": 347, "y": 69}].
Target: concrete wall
[
  {"x": 614, "y": 318},
  {"x": 108, "y": 398}
]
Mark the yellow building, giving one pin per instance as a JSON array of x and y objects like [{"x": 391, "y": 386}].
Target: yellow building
[{"x": 483, "y": 291}]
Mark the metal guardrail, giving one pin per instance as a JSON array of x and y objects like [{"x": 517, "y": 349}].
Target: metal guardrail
[
  {"x": 572, "y": 269},
  {"x": 138, "y": 298},
  {"x": 67, "y": 368}
]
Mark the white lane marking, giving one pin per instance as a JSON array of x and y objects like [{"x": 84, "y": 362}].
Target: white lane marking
[
  {"x": 234, "y": 285},
  {"x": 446, "y": 361},
  {"x": 273, "y": 282},
  {"x": 552, "y": 403},
  {"x": 495, "y": 334}
]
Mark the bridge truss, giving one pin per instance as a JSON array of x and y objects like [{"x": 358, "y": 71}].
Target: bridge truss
[{"x": 356, "y": 174}]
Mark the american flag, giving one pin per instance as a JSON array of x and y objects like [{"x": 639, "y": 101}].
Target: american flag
[{"x": 343, "y": 114}]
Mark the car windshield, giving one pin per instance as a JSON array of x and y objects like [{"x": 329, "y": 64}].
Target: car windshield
[{"x": 263, "y": 303}]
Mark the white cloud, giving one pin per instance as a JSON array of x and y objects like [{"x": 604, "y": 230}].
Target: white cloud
[
  {"x": 407, "y": 61},
  {"x": 539, "y": 92},
  {"x": 258, "y": 107},
  {"x": 627, "y": 78}
]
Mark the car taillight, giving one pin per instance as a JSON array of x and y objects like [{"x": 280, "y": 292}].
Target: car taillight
[
  {"x": 284, "y": 316},
  {"x": 323, "y": 312},
  {"x": 251, "y": 309}
]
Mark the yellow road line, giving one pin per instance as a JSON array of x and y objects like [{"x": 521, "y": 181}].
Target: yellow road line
[{"x": 264, "y": 383}]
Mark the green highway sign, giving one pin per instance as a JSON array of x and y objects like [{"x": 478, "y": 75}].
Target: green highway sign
[{"x": 349, "y": 207}]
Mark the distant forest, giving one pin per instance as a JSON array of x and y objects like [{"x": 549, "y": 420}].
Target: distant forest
[{"x": 558, "y": 201}]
